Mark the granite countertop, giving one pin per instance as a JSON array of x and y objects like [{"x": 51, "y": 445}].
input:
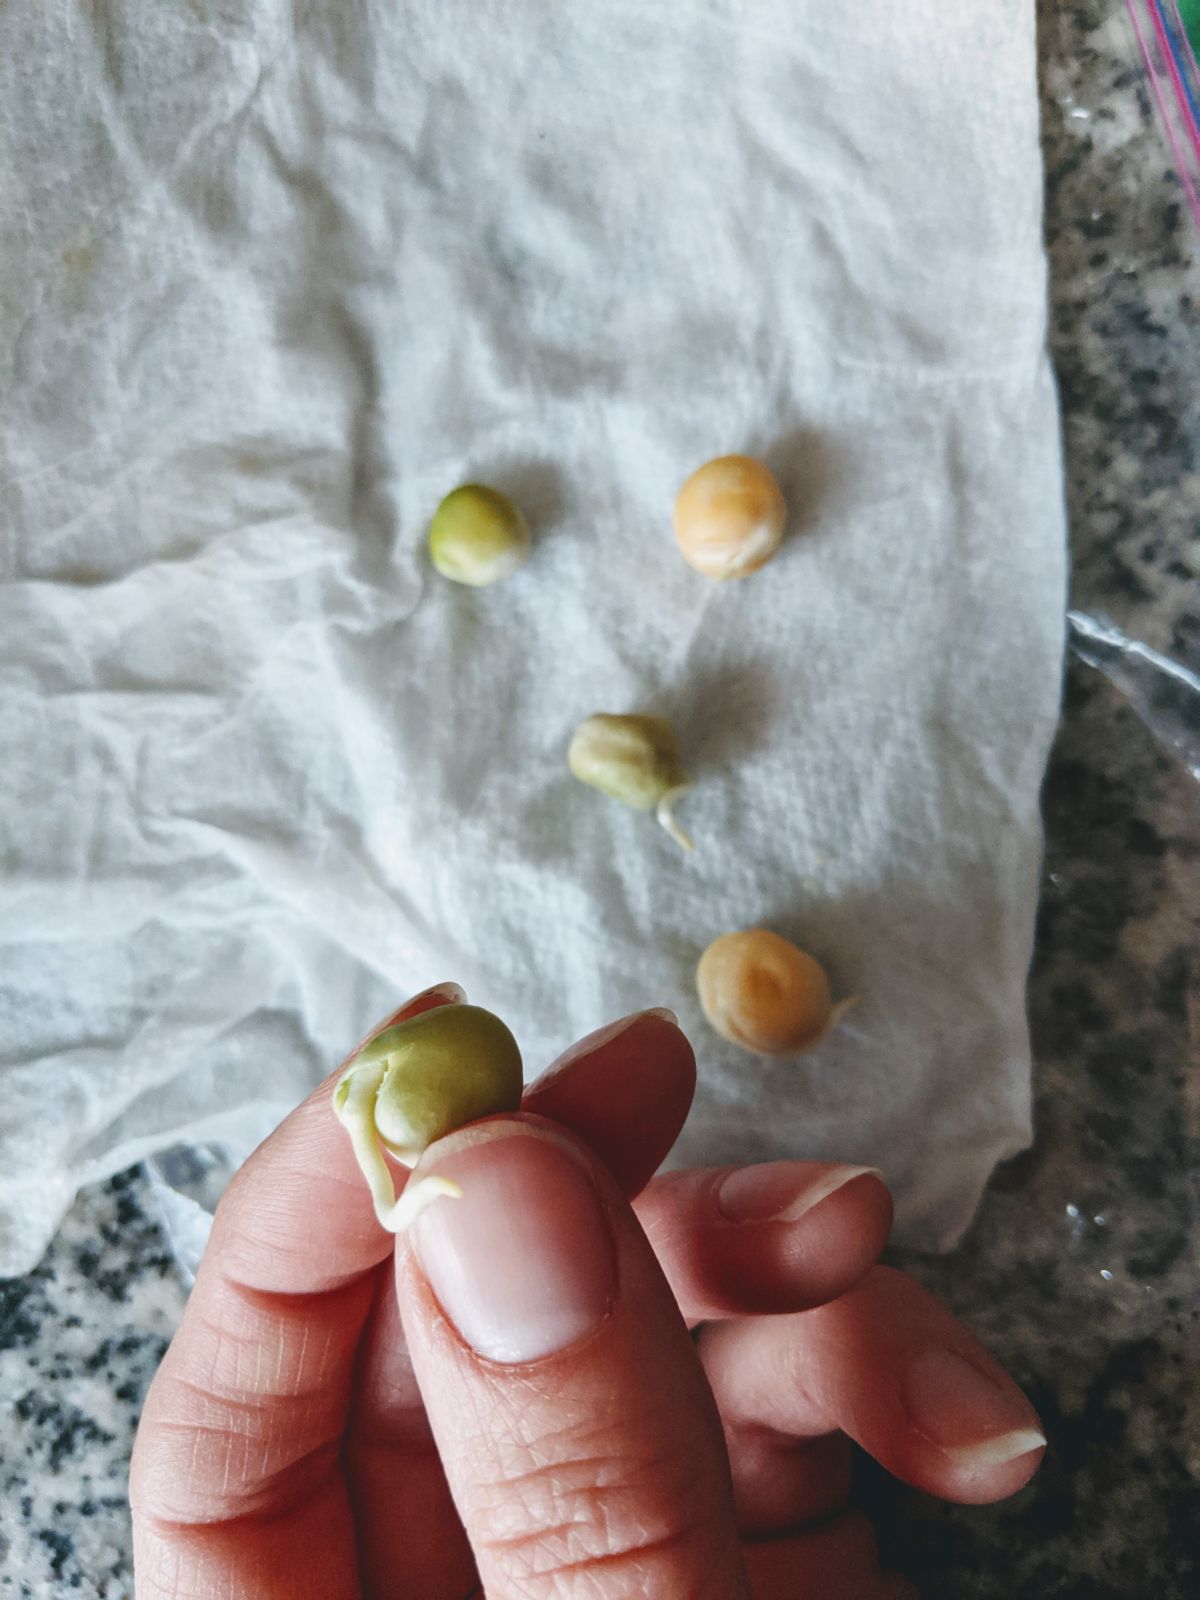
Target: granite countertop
[{"x": 1079, "y": 1271}]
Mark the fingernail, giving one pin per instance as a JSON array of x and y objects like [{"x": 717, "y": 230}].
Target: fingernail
[
  {"x": 522, "y": 1264},
  {"x": 437, "y": 994},
  {"x": 776, "y": 1192},
  {"x": 602, "y": 1036},
  {"x": 966, "y": 1413}
]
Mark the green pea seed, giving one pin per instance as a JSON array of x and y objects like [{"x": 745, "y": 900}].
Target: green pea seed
[
  {"x": 417, "y": 1082},
  {"x": 478, "y": 536}
]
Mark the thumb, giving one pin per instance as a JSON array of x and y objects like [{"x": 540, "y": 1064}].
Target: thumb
[{"x": 576, "y": 1428}]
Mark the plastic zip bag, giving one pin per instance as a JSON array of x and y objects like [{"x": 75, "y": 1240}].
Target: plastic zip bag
[{"x": 1168, "y": 34}]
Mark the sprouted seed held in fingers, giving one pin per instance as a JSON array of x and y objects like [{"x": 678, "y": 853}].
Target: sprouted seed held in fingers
[{"x": 419, "y": 1081}]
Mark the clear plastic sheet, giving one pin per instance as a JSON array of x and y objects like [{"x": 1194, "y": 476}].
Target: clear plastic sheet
[{"x": 1164, "y": 693}]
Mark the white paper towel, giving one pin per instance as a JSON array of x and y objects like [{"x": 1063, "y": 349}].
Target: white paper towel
[{"x": 277, "y": 277}]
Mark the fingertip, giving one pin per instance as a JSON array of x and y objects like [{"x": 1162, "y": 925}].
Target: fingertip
[
  {"x": 844, "y": 1234},
  {"x": 438, "y": 994},
  {"x": 976, "y": 1431},
  {"x": 994, "y": 1469},
  {"x": 828, "y": 1234},
  {"x": 629, "y": 1038},
  {"x": 890, "y": 1366},
  {"x": 625, "y": 1090}
]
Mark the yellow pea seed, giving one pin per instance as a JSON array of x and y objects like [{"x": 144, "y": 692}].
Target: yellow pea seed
[
  {"x": 729, "y": 517},
  {"x": 761, "y": 992}
]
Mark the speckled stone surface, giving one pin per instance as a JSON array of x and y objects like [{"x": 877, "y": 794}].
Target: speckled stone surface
[
  {"x": 1080, "y": 1270},
  {"x": 79, "y": 1341}
]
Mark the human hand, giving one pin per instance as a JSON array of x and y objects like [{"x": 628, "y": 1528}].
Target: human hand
[{"x": 518, "y": 1400}]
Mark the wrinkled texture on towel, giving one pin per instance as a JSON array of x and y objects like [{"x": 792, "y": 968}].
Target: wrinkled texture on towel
[{"x": 275, "y": 279}]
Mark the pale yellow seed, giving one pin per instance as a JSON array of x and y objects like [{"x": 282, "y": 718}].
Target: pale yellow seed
[
  {"x": 729, "y": 517},
  {"x": 761, "y": 992},
  {"x": 635, "y": 759}
]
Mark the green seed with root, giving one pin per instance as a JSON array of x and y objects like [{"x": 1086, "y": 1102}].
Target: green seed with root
[
  {"x": 634, "y": 759},
  {"x": 417, "y": 1082},
  {"x": 478, "y": 536}
]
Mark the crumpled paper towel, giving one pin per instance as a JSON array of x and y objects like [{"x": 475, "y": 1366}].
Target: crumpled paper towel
[{"x": 276, "y": 278}]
